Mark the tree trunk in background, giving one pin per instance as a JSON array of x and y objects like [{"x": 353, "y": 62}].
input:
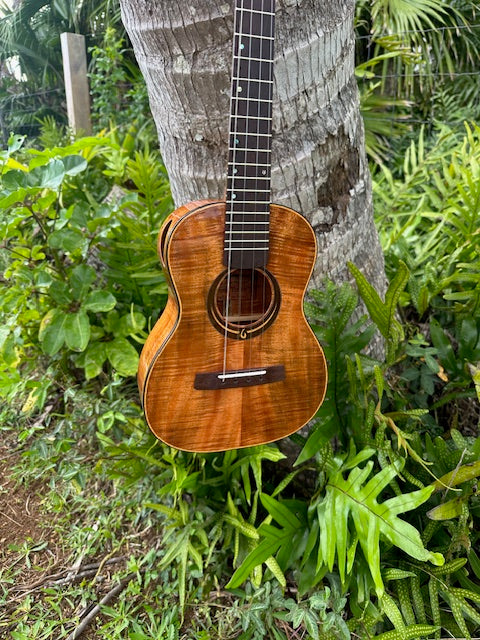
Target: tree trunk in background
[{"x": 319, "y": 166}]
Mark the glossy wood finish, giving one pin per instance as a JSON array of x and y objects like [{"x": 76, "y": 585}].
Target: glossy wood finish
[{"x": 184, "y": 342}]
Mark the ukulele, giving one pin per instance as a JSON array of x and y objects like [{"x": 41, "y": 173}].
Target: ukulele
[{"x": 232, "y": 361}]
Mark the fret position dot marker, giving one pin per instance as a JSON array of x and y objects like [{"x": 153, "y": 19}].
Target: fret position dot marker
[
  {"x": 242, "y": 46},
  {"x": 239, "y": 89},
  {"x": 235, "y": 171},
  {"x": 233, "y": 196}
]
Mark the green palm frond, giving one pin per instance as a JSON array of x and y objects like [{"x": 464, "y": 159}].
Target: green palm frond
[{"x": 403, "y": 16}]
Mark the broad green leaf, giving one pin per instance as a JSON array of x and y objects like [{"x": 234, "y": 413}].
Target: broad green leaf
[
  {"x": 459, "y": 475},
  {"x": 98, "y": 301},
  {"x": 67, "y": 240},
  {"x": 321, "y": 433},
  {"x": 52, "y": 331},
  {"x": 77, "y": 331},
  {"x": 447, "y": 510},
  {"x": 13, "y": 180},
  {"x": 130, "y": 324},
  {"x": 280, "y": 512},
  {"x": 60, "y": 292},
  {"x": 357, "y": 458},
  {"x": 81, "y": 278},
  {"x": 122, "y": 356},
  {"x": 95, "y": 356},
  {"x": 51, "y": 175},
  {"x": 469, "y": 332},
  {"x": 37, "y": 253},
  {"x": 15, "y": 142},
  {"x": 74, "y": 165}
]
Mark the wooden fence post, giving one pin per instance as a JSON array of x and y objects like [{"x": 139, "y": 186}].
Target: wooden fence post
[{"x": 76, "y": 82}]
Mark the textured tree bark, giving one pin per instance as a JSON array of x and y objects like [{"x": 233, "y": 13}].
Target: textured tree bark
[{"x": 319, "y": 166}]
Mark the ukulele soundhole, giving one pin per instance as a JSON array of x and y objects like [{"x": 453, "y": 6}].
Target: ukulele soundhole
[{"x": 243, "y": 302}]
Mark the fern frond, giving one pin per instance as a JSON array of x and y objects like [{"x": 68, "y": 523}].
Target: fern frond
[
  {"x": 406, "y": 607},
  {"x": 417, "y": 599},
  {"x": 414, "y": 631},
  {"x": 434, "y": 605},
  {"x": 356, "y": 498},
  {"x": 382, "y": 313}
]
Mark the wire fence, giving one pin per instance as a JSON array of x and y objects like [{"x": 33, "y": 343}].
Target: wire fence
[{"x": 458, "y": 27}]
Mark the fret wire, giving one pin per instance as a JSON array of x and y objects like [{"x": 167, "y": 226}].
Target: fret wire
[
  {"x": 248, "y": 149},
  {"x": 253, "y": 117},
  {"x": 251, "y": 35},
  {"x": 243, "y": 221},
  {"x": 252, "y": 133},
  {"x": 249, "y": 99},
  {"x": 237, "y": 175},
  {"x": 256, "y": 190},
  {"x": 244, "y": 232},
  {"x": 249, "y": 178},
  {"x": 267, "y": 13},
  {"x": 253, "y": 80},
  {"x": 250, "y": 213},
  {"x": 240, "y": 57},
  {"x": 250, "y": 164}
]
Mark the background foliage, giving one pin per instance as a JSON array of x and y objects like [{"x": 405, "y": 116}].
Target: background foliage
[{"x": 373, "y": 531}]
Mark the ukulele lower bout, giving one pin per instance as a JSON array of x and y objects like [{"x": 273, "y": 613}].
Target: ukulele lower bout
[{"x": 220, "y": 372}]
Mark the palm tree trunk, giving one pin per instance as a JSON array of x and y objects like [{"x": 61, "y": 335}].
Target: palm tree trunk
[{"x": 319, "y": 166}]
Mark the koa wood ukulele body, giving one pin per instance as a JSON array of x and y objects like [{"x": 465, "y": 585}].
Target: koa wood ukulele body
[{"x": 232, "y": 361}]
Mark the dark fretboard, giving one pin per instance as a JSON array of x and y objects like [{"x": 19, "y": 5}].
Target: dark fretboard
[{"x": 248, "y": 182}]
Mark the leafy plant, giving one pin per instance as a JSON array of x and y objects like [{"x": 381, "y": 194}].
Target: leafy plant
[
  {"x": 119, "y": 95},
  {"x": 345, "y": 502},
  {"x": 63, "y": 301}
]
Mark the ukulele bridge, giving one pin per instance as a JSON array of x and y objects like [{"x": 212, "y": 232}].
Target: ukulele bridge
[{"x": 239, "y": 378}]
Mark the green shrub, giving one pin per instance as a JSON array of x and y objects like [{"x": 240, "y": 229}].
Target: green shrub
[{"x": 65, "y": 307}]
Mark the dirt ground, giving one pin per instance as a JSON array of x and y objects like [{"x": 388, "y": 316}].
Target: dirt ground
[
  {"x": 21, "y": 519},
  {"x": 31, "y": 554}
]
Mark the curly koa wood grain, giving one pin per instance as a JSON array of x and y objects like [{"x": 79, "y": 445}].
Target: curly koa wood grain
[{"x": 184, "y": 344}]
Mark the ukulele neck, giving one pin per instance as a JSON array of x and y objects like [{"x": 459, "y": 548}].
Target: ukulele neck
[{"x": 248, "y": 179}]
